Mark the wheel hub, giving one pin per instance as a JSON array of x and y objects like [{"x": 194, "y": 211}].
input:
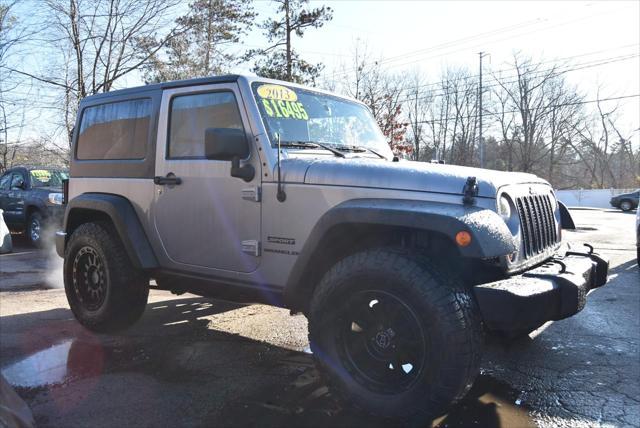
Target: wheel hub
[
  {"x": 384, "y": 343},
  {"x": 89, "y": 278},
  {"x": 384, "y": 338}
]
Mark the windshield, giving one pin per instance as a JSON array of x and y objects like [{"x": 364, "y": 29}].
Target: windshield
[
  {"x": 47, "y": 178},
  {"x": 303, "y": 116}
]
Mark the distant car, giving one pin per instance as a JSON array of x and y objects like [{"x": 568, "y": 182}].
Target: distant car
[
  {"x": 626, "y": 201},
  {"x": 31, "y": 198}
]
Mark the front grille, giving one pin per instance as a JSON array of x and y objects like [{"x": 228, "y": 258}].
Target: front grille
[{"x": 537, "y": 223}]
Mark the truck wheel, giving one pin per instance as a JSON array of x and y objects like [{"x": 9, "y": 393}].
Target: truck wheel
[
  {"x": 35, "y": 229},
  {"x": 394, "y": 335},
  {"x": 626, "y": 205},
  {"x": 104, "y": 290}
]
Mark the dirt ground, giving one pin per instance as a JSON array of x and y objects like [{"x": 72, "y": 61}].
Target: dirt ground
[{"x": 192, "y": 361}]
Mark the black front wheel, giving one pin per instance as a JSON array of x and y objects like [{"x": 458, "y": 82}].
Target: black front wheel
[
  {"x": 395, "y": 335},
  {"x": 35, "y": 229},
  {"x": 626, "y": 205},
  {"x": 105, "y": 291}
]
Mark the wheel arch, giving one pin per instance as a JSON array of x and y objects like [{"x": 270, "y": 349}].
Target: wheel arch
[
  {"x": 365, "y": 223},
  {"x": 118, "y": 211}
]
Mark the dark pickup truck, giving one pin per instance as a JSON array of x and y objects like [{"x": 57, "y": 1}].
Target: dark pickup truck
[{"x": 31, "y": 199}]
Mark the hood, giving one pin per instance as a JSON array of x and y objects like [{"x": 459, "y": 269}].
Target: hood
[
  {"x": 50, "y": 189},
  {"x": 404, "y": 175}
]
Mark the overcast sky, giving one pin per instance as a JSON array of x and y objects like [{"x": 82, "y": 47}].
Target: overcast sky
[{"x": 601, "y": 39}]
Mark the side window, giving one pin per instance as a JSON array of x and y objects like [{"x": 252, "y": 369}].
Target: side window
[
  {"x": 5, "y": 181},
  {"x": 114, "y": 131},
  {"x": 191, "y": 115},
  {"x": 17, "y": 182}
]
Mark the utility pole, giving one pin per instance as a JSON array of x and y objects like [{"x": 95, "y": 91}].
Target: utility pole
[{"x": 480, "y": 142}]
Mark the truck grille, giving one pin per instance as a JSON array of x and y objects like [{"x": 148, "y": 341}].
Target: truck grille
[{"x": 537, "y": 223}]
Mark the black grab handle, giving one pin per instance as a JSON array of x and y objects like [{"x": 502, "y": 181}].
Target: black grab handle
[{"x": 170, "y": 180}]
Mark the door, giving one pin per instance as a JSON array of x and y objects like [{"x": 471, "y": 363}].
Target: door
[
  {"x": 5, "y": 184},
  {"x": 204, "y": 218},
  {"x": 14, "y": 200}
]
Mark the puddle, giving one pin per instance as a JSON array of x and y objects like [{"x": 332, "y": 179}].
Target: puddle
[
  {"x": 490, "y": 403},
  {"x": 46, "y": 367},
  {"x": 305, "y": 401},
  {"x": 55, "y": 365}
]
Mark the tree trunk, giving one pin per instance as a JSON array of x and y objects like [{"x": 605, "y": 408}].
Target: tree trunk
[{"x": 288, "y": 29}]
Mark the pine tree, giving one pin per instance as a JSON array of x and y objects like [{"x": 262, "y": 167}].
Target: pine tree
[
  {"x": 201, "y": 49},
  {"x": 280, "y": 60}
]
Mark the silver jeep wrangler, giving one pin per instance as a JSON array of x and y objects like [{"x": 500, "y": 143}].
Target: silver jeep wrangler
[{"x": 263, "y": 191}]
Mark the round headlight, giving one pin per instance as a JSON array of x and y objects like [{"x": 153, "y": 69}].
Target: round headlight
[{"x": 504, "y": 208}]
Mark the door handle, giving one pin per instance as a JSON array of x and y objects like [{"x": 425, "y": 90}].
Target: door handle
[{"x": 170, "y": 180}]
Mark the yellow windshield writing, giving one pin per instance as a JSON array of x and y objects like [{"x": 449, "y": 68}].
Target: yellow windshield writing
[
  {"x": 41, "y": 175},
  {"x": 277, "y": 92},
  {"x": 285, "y": 109}
]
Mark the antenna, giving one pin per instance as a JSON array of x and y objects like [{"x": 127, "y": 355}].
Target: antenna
[{"x": 281, "y": 196}]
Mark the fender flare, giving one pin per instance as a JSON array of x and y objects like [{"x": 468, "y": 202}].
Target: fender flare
[
  {"x": 566, "y": 221},
  {"x": 490, "y": 235},
  {"x": 125, "y": 220}
]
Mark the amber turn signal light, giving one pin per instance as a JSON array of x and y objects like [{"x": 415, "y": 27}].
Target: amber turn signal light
[{"x": 463, "y": 238}]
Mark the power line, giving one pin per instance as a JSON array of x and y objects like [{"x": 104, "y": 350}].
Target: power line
[
  {"x": 622, "y": 97},
  {"x": 475, "y": 76},
  {"x": 447, "y": 44},
  {"x": 480, "y": 36},
  {"x": 531, "y": 75}
]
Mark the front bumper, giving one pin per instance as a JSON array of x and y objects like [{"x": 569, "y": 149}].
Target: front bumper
[
  {"x": 61, "y": 240},
  {"x": 556, "y": 290}
]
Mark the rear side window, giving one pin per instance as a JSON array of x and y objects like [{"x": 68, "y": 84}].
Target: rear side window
[
  {"x": 191, "y": 115},
  {"x": 114, "y": 131}
]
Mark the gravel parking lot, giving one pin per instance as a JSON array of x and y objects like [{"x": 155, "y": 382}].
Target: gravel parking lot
[{"x": 194, "y": 361}]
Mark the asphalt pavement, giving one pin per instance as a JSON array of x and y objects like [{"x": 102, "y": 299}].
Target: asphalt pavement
[{"x": 192, "y": 361}]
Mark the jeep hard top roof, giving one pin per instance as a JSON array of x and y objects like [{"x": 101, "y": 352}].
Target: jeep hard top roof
[{"x": 228, "y": 78}]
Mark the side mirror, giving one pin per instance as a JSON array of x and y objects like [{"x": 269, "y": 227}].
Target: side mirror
[
  {"x": 19, "y": 185},
  {"x": 229, "y": 144},
  {"x": 225, "y": 144}
]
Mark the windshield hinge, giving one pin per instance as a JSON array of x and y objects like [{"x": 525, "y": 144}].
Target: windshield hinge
[
  {"x": 251, "y": 194},
  {"x": 470, "y": 191}
]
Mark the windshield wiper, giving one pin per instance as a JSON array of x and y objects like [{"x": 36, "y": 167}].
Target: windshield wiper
[
  {"x": 367, "y": 149},
  {"x": 360, "y": 149},
  {"x": 312, "y": 145}
]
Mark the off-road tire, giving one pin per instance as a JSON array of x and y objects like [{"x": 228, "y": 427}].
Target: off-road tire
[
  {"x": 35, "y": 229},
  {"x": 446, "y": 310},
  {"x": 126, "y": 289},
  {"x": 626, "y": 205}
]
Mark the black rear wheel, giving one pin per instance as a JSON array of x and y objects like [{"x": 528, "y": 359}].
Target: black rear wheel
[
  {"x": 105, "y": 291},
  {"x": 394, "y": 335}
]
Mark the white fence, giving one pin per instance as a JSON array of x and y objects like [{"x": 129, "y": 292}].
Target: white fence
[{"x": 589, "y": 198}]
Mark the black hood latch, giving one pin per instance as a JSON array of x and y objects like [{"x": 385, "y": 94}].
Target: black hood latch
[{"x": 470, "y": 191}]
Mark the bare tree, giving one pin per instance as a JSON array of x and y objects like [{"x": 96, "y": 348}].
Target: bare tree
[
  {"x": 12, "y": 106},
  {"x": 537, "y": 110},
  {"x": 100, "y": 42},
  {"x": 416, "y": 104},
  {"x": 382, "y": 92}
]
